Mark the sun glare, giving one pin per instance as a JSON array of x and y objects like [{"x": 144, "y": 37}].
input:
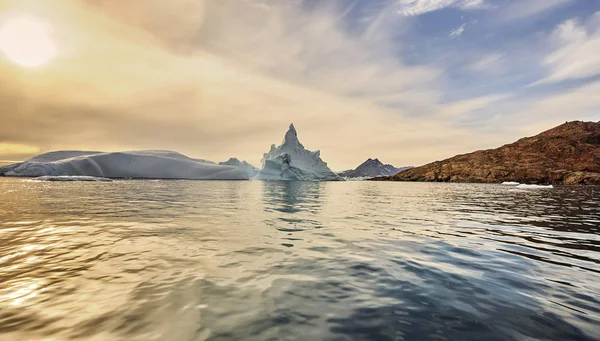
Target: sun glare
[{"x": 26, "y": 40}]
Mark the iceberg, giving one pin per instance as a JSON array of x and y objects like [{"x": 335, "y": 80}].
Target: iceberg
[
  {"x": 8, "y": 168},
  {"x": 526, "y": 186},
  {"x": 291, "y": 161},
  {"x": 250, "y": 170},
  {"x": 510, "y": 183},
  {"x": 145, "y": 164}
]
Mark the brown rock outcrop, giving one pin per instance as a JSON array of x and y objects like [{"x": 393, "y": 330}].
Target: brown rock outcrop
[{"x": 567, "y": 154}]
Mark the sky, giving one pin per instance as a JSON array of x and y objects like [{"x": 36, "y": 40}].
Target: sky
[{"x": 405, "y": 81}]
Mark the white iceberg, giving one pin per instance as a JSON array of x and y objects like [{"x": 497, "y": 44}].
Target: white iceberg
[
  {"x": 250, "y": 170},
  {"x": 291, "y": 161},
  {"x": 72, "y": 178},
  {"x": 526, "y": 186},
  {"x": 511, "y": 183},
  {"x": 147, "y": 164}
]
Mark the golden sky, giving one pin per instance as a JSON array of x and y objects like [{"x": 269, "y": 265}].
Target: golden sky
[{"x": 219, "y": 79}]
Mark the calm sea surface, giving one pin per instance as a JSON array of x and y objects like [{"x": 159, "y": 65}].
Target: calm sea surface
[{"x": 235, "y": 260}]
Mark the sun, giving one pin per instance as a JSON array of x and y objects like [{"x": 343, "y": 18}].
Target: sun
[{"x": 26, "y": 40}]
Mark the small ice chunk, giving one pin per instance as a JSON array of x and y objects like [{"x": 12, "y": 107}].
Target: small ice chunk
[
  {"x": 526, "y": 186},
  {"x": 359, "y": 178}
]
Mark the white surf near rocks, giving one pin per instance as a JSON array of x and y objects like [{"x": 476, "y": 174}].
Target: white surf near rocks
[
  {"x": 147, "y": 164},
  {"x": 291, "y": 161},
  {"x": 250, "y": 170}
]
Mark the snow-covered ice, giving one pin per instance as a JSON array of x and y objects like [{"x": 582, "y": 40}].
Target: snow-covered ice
[
  {"x": 510, "y": 183},
  {"x": 526, "y": 186},
  {"x": 146, "y": 164},
  {"x": 250, "y": 170},
  {"x": 291, "y": 161}
]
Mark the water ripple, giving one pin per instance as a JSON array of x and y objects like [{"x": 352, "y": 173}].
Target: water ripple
[{"x": 202, "y": 260}]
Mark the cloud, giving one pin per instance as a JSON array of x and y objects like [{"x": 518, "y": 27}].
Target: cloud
[
  {"x": 457, "y": 32},
  {"x": 225, "y": 81},
  {"x": 12, "y": 149},
  {"x": 575, "y": 56},
  {"x": 528, "y": 9},
  {"x": 418, "y": 7},
  {"x": 489, "y": 62},
  {"x": 536, "y": 114},
  {"x": 228, "y": 78},
  {"x": 469, "y": 106}
]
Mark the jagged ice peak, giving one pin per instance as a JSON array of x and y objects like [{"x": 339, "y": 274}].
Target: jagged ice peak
[{"x": 291, "y": 138}]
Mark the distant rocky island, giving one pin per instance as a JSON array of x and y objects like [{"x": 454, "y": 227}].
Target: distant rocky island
[
  {"x": 370, "y": 169},
  {"x": 567, "y": 154}
]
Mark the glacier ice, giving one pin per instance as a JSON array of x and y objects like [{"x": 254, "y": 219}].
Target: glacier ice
[
  {"x": 250, "y": 170},
  {"x": 146, "y": 164},
  {"x": 291, "y": 161}
]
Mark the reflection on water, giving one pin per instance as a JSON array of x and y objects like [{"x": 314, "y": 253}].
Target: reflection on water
[{"x": 182, "y": 260}]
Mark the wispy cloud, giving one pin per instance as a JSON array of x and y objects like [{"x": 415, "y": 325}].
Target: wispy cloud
[
  {"x": 576, "y": 53},
  {"x": 11, "y": 149},
  {"x": 469, "y": 106},
  {"x": 418, "y": 7},
  {"x": 457, "y": 32},
  {"x": 225, "y": 81},
  {"x": 532, "y": 115},
  {"x": 527, "y": 9},
  {"x": 229, "y": 76},
  {"x": 489, "y": 62}
]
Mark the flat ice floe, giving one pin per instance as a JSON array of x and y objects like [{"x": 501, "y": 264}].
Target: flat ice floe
[
  {"x": 291, "y": 161},
  {"x": 526, "y": 186},
  {"x": 359, "y": 178},
  {"x": 147, "y": 164}
]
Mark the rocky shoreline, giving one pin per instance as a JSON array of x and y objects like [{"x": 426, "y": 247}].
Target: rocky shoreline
[{"x": 567, "y": 154}]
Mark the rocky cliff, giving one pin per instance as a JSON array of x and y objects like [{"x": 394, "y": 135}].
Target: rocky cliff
[{"x": 567, "y": 154}]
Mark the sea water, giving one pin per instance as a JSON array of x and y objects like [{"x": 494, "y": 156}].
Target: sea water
[{"x": 254, "y": 260}]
